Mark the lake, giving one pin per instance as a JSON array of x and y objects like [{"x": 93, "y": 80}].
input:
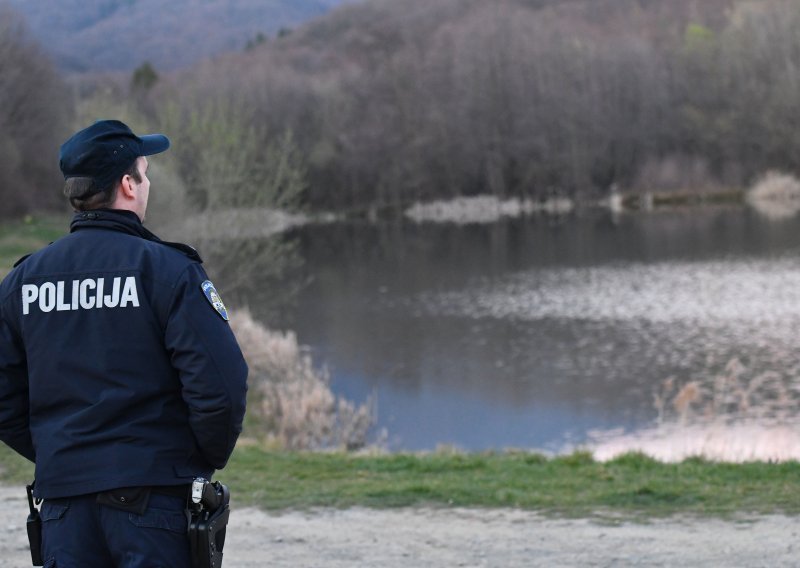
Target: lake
[{"x": 543, "y": 332}]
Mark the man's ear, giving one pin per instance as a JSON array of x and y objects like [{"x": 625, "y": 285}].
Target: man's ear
[{"x": 126, "y": 187}]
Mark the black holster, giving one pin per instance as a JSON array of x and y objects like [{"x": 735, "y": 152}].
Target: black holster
[
  {"x": 207, "y": 525},
  {"x": 34, "y": 526}
]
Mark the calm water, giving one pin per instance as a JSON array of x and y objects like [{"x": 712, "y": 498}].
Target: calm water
[{"x": 534, "y": 332}]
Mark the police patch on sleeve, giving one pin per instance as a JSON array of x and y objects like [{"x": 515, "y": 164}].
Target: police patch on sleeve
[{"x": 213, "y": 298}]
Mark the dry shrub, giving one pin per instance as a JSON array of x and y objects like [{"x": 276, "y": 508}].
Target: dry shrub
[
  {"x": 291, "y": 400},
  {"x": 734, "y": 395},
  {"x": 775, "y": 195},
  {"x": 775, "y": 186},
  {"x": 689, "y": 394},
  {"x": 736, "y": 415}
]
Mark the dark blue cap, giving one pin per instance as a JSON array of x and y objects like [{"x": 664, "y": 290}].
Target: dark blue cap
[{"x": 104, "y": 151}]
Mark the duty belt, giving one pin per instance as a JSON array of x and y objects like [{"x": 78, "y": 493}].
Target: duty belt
[{"x": 208, "y": 508}]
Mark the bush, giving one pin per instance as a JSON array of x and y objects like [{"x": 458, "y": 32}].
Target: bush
[
  {"x": 291, "y": 400},
  {"x": 776, "y": 195},
  {"x": 775, "y": 186}
]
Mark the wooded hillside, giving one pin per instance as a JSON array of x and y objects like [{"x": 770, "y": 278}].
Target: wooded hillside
[
  {"x": 107, "y": 35},
  {"x": 392, "y": 101},
  {"x": 385, "y": 102},
  {"x": 34, "y": 119}
]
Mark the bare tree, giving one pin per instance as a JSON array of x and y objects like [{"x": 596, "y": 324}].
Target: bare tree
[
  {"x": 34, "y": 109},
  {"x": 394, "y": 101}
]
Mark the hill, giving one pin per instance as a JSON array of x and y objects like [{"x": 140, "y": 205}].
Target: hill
[{"x": 119, "y": 35}]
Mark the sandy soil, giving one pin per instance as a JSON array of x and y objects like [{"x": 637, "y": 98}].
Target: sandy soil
[{"x": 465, "y": 537}]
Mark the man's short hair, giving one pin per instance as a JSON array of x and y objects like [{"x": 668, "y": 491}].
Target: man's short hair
[{"x": 76, "y": 188}]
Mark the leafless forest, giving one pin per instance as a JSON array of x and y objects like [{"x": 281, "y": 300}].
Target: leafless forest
[
  {"x": 386, "y": 102},
  {"x": 34, "y": 114}
]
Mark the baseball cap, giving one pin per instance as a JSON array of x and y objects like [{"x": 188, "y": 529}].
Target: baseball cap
[{"x": 104, "y": 151}]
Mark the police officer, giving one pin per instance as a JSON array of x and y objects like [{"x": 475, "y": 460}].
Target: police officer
[{"x": 119, "y": 374}]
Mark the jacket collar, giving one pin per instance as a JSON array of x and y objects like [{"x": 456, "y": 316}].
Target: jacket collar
[{"x": 114, "y": 219}]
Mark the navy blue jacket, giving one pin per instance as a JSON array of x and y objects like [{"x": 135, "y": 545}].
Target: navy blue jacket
[{"x": 115, "y": 368}]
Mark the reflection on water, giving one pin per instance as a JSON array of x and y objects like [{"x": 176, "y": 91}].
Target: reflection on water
[
  {"x": 253, "y": 272},
  {"x": 534, "y": 333},
  {"x": 739, "y": 294}
]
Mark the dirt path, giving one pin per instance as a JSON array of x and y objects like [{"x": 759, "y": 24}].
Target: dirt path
[{"x": 464, "y": 537}]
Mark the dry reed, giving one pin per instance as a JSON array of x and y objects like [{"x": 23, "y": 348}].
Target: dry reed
[
  {"x": 775, "y": 185},
  {"x": 736, "y": 415},
  {"x": 291, "y": 401},
  {"x": 775, "y": 195}
]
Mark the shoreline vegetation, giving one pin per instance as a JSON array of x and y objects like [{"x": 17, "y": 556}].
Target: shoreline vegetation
[{"x": 775, "y": 195}]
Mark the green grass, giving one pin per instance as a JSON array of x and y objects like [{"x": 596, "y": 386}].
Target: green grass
[
  {"x": 13, "y": 467},
  {"x": 24, "y": 236},
  {"x": 573, "y": 485},
  {"x": 633, "y": 485}
]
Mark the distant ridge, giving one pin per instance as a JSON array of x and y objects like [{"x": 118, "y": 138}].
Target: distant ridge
[{"x": 119, "y": 35}]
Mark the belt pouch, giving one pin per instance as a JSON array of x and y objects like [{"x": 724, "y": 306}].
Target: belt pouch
[{"x": 131, "y": 499}]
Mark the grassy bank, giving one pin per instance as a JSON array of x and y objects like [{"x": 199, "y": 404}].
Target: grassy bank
[
  {"x": 24, "y": 236},
  {"x": 573, "y": 485}
]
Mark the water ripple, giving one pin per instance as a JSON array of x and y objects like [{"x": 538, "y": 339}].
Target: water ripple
[{"x": 717, "y": 292}]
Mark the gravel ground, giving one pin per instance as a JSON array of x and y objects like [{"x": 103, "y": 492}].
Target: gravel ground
[{"x": 469, "y": 537}]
